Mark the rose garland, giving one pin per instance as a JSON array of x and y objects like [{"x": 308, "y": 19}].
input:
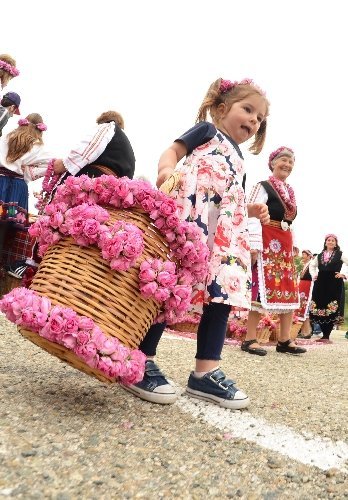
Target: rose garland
[
  {"x": 76, "y": 211},
  {"x": 287, "y": 196},
  {"x": 77, "y": 333},
  {"x": 49, "y": 182}
]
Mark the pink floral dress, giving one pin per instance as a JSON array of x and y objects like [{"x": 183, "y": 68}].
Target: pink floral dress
[{"x": 210, "y": 193}]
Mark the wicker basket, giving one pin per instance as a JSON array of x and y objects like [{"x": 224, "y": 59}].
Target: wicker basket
[
  {"x": 78, "y": 277},
  {"x": 185, "y": 326},
  {"x": 295, "y": 328},
  {"x": 263, "y": 335}
]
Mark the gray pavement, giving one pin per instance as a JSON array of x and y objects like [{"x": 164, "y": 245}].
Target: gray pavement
[{"x": 64, "y": 435}]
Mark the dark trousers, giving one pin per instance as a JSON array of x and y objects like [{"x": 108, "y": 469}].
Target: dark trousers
[{"x": 210, "y": 335}]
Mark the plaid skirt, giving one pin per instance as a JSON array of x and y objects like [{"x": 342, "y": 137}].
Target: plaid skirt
[{"x": 14, "y": 197}]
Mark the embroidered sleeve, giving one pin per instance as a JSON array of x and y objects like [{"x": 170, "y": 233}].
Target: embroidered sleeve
[
  {"x": 34, "y": 163},
  {"x": 90, "y": 148},
  {"x": 313, "y": 267},
  {"x": 258, "y": 195}
]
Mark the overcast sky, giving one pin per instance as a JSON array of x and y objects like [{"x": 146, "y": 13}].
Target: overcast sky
[{"x": 153, "y": 61}]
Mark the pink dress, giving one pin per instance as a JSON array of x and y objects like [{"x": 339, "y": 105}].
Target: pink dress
[{"x": 210, "y": 193}]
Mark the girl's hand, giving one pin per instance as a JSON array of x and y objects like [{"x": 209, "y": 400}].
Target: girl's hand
[
  {"x": 260, "y": 211},
  {"x": 339, "y": 275},
  {"x": 58, "y": 167}
]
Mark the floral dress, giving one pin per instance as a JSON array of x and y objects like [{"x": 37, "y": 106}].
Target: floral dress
[{"x": 210, "y": 193}]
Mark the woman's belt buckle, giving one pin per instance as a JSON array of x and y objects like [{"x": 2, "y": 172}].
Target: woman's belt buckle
[{"x": 285, "y": 225}]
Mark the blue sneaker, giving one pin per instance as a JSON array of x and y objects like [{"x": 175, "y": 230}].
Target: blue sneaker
[
  {"x": 216, "y": 388},
  {"x": 154, "y": 387}
]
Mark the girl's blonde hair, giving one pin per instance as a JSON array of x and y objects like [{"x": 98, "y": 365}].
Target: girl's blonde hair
[
  {"x": 5, "y": 76},
  {"x": 111, "y": 116},
  {"x": 237, "y": 93},
  {"x": 23, "y": 138}
]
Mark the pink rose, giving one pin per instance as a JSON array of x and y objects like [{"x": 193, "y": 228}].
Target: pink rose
[
  {"x": 166, "y": 279},
  {"x": 91, "y": 230},
  {"x": 168, "y": 207},
  {"x": 85, "y": 323},
  {"x": 83, "y": 337},
  {"x": 148, "y": 289},
  {"x": 161, "y": 294},
  {"x": 147, "y": 275},
  {"x": 69, "y": 340}
]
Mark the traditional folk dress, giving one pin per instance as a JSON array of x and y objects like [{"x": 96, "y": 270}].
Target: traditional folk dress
[
  {"x": 327, "y": 304},
  {"x": 275, "y": 284},
  {"x": 305, "y": 292},
  {"x": 210, "y": 193},
  {"x": 14, "y": 179}
]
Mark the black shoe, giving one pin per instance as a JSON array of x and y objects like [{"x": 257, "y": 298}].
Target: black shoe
[
  {"x": 285, "y": 348},
  {"x": 259, "y": 351}
]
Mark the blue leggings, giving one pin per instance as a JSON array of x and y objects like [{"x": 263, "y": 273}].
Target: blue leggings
[{"x": 210, "y": 335}]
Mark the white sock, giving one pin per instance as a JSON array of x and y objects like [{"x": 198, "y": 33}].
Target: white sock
[{"x": 201, "y": 374}]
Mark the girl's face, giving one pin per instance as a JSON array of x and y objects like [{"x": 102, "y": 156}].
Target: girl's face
[
  {"x": 282, "y": 167},
  {"x": 244, "y": 118},
  {"x": 330, "y": 243}
]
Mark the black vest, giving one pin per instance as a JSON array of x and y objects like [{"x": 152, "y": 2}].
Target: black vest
[
  {"x": 118, "y": 156},
  {"x": 275, "y": 207}
]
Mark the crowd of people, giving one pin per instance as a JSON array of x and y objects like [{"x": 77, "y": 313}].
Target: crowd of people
[{"x": 251, "y": 245}]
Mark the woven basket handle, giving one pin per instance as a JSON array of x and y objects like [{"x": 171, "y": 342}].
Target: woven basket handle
[{"x": 171, "y": 183}]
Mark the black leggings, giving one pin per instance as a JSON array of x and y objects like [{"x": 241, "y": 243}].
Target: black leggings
[{"x": 210, "y": 335}]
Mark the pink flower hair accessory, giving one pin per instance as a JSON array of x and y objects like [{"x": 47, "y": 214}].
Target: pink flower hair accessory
[
  {"x": 331, "y": 235},
  {"x": 284, "y": 150},
  {"x": 41, "y": 126},
  {"x": 9, "y": 68},
  {"x": 227, "y": 85},
  {"x": 23, "y": 122}
]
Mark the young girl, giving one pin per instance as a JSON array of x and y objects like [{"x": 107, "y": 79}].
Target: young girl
[
  {"x": 8, "y": 70},
  {"x": 22, "y": 159},
  {"x": 210, "y": 193}
]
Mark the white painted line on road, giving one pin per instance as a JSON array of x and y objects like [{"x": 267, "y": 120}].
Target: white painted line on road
[{"x": 315, "y": 451}]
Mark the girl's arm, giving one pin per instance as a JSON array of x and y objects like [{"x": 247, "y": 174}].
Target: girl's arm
[{"x": 168, "y": 161}]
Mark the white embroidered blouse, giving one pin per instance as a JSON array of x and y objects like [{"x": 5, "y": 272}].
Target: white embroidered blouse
[
  {"x": 89, "y": 148},
  {"x": 32, "y": 165}
]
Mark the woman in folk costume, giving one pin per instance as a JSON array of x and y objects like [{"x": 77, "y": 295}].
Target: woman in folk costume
[
  {"x": 274, "y": 287},
  {"x": 305, "y": 292},
  {"x": 326, "y": 306}
]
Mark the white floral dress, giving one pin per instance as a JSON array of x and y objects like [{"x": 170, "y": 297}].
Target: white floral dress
[{"x": 210, "y": 193}]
